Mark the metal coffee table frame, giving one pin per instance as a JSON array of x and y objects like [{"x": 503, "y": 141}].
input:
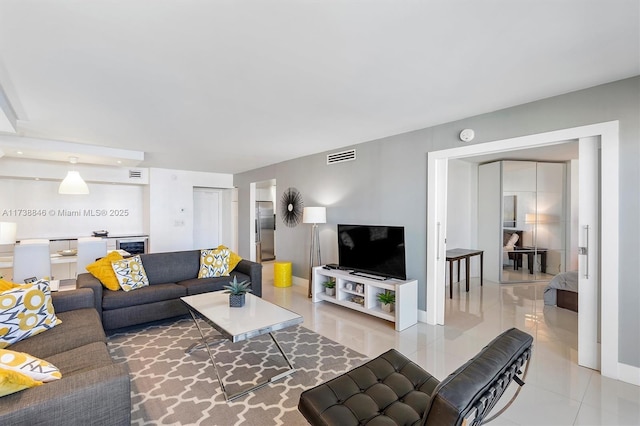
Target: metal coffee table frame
[{"x": 224, "y": 335}]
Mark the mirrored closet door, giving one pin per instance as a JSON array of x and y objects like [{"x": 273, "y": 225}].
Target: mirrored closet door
[{"x": 532, "y": 218}]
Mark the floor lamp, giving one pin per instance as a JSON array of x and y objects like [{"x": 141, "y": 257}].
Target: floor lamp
[{"x": 314, "y": 215}]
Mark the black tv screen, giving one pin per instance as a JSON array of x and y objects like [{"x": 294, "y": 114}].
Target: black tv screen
[{"x": 376, "y": 250}]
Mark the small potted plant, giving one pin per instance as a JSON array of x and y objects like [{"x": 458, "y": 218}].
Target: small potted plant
[
  {"x": 329, "y": 287},
  {"x": 387, "y": 300},
  {"x": 237, "y": 292}
]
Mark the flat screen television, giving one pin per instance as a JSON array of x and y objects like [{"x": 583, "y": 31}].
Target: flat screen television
[{"x": 372, "y": 249}]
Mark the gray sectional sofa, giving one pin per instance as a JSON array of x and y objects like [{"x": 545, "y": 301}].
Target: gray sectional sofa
[
  {"x": 92, "y": 390},
  {"x": 171, "y": 276}
]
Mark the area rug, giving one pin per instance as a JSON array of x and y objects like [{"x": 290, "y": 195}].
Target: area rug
[{"x": 171, "y": 387}]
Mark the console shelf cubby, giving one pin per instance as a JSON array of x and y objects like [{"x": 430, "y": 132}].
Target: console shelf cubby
[{"x": 360, "y": 294}]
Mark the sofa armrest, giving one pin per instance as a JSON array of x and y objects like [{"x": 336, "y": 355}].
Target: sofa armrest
[
  {"x": 254, "y": 271},
  {"x": 99, "y": 397},
  {"x": 73, "y": 299},
  {"x": 87, "y": 280}
]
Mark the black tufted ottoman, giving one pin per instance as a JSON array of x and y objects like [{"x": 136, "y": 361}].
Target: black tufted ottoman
[{"x": 392, "y": 390}]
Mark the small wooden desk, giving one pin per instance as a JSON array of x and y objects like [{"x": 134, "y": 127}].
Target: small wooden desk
[
  {"x": 531, "y": 253},
  {"x": 458, "y": 254}
]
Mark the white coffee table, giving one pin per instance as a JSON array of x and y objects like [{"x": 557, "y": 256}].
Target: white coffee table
[{"x": 255, "y": 318}]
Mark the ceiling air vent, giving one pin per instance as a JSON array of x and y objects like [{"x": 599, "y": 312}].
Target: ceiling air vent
[
  {"x": 135, "y": 174},
  {"x": 341, "y": 157}
]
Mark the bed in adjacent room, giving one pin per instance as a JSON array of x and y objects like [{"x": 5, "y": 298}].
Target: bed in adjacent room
[{"x": 562, "y": 291}]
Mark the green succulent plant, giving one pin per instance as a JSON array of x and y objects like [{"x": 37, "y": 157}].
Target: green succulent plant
[
  {"x": 387, "y": 297},
  {"x": 237, "y": 288},
  {"x": 329, "y": 284}
]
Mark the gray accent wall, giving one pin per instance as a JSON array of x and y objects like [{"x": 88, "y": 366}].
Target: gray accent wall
[{"x": 386, "y": 185}]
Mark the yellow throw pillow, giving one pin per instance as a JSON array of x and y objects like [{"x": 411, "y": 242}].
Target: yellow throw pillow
[
  {"x": 214, "y": 262},
  {"x": 26, "y": 311},
  {"x": 234, "y": 258},
  {"x": 35, "y": 368},
  {"x": 7, "y": 285},
  {"x": 130, "y": 273},
  {"x": 12, "y": 382},
  {"x": 102, "y": 270}
]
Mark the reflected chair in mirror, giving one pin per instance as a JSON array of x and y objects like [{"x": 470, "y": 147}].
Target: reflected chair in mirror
[
  {"x": 31, "y": 259},
  {"x": 90, "y": 249}
]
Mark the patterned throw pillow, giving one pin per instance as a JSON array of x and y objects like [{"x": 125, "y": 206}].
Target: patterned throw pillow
[
  {"x": 25, "y": 311},
  {"x": 214, "y": 262},
  {"x": 234, "y": 258},
  {"x": 11, "y": 382},
  {"x": 130, "y": 273},
  {"x": 102, "y": 270},
  {"x": 28, "y": 365}
]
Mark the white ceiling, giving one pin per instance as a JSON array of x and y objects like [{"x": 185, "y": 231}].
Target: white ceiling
[{"x": 233, "y": 85}]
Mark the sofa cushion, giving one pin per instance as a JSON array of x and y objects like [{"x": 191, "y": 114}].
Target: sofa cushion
[
  {"x": 103, "y": 271},
  {"x": 25, "y": 311},
  {"x": 171, "y": 267},
  {"x": 150, "y": 294},
  {"x": 12, "y": 382},
  {"x": 23, "y": 363},
  {"x": 214, "y": 262},
  {"x": 81, "y": 359},
  {"x": 204, "y": 285},
  {"x": 7, "y": 285},
  {"x": 79, "y": 327},
  {"x": 130, "y": 273},
  {"x": 234, "y": 259}
]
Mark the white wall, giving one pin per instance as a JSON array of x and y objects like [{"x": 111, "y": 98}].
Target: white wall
[
  {"x": 170, "y": 200},
  {"x": 462, "y": 208},
  {"x": 489, "y": 214},
  {"x": 160, "y": 202},
  {"x": 41, "y": 212},
  {"x": 572, "y": 217},
  {"x": 29, "y": 196}
]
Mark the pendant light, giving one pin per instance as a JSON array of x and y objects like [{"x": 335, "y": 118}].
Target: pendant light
[{"x": 73, "y": 182}]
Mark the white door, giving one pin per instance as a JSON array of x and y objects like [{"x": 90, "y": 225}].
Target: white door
[
  {"x": 436, "y": 238},
  {"x": 206, "y": 218},
  {"x": 588, "y": 258}
]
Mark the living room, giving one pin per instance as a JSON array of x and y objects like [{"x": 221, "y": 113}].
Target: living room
[{"x": 386, "y": 184}]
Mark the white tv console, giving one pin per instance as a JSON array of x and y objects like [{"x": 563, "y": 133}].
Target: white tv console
[{"x": 360, "y": 293}]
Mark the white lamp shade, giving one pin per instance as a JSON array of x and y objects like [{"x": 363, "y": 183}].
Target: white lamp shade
[
  {"x": 314, "y": 215},
  {"x": 73, "y": 184},
  {"x": 538, "y": 218},
  {"x": 8, "y": 232}
]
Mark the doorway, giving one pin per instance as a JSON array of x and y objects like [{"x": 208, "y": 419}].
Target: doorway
[
  {"x": 206, "y": 218},
  {"x": 436, "y": 226},
  {"x": 265, "y": 205}
]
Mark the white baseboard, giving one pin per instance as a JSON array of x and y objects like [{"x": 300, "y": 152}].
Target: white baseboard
[
  {"x": 422, "y": 316},
  {"x": 300, "y": 281},
  {"x": 629, "y": 374}
]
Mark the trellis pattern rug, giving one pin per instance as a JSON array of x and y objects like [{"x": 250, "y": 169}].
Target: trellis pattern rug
[{"x": 171, "y": 387}]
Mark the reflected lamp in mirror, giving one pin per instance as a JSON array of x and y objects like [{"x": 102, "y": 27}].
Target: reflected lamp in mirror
[
  {"x": 534, "y": 218},
  {"x": 8, "y": 232}
]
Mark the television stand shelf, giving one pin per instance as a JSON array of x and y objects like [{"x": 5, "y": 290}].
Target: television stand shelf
[{"x": 360, "y": 293}]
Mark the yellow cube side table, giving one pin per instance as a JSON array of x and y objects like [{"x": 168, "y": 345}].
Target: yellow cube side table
[{"x": 282, "y": 274}]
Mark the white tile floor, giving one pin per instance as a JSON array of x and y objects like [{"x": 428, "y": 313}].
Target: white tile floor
[{"x": 558, "y": 391}]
